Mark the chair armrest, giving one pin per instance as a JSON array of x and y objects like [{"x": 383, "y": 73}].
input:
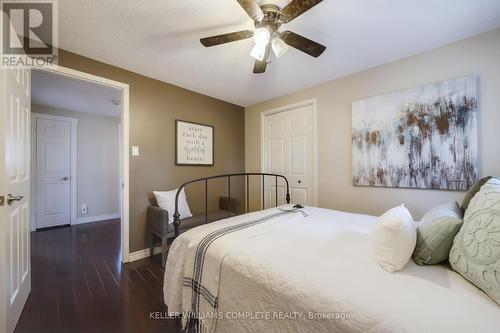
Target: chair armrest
[
  {"x": 235, "y": 204},
  {"x": 157, "y": 220}
]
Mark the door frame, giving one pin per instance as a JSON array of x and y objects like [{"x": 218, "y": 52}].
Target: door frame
[
  {"x": 290, "y": 107},
  {"x": 3, "y": 234},
  {"x": 73, "y": 166},
  {"x": 125, "y": 121}
]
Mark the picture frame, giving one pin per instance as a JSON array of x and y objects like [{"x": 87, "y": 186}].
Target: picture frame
[
  {"x": 194, "y": 144},
  {"x": 424, "y": 137}
]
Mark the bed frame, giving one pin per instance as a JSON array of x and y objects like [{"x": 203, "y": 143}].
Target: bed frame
[{"x": 177, "y": 220}]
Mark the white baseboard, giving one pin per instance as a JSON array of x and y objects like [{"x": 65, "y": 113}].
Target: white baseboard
[
  {"x": 141, "y": 254},
  {"x": 90, "y": 219}
]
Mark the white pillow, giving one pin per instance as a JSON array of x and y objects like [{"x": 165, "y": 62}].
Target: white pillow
[
  {"x": 394, "y": 237},
  {"x": 166, "y": 200}
]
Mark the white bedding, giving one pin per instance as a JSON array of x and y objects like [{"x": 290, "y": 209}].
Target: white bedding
[{"x": 322, "y": 266}]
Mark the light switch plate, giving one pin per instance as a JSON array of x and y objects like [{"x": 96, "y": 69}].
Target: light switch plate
[{"x": 135, "y": 150}]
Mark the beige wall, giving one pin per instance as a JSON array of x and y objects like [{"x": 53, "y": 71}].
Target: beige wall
[
  {"x": 154, "y": 106},
  {"x": 97, "y": 161},
  {"x": 478, "y": 55}
]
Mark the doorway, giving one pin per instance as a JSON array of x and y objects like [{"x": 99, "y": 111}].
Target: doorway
[
  {"x": 289, "y": 148},
  {"x": 16, "y": 181},
  {"x": 80, "y": 141}
]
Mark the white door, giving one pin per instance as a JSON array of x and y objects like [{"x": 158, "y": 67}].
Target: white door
[
  {"x": 289, "y": 151},
  {"x": 15, "y": 228},
  {"x": 53, "y": 181}
]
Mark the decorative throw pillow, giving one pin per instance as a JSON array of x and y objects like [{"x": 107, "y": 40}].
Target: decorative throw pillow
[
  {"x": 393, "y": 238},
  {"x": 476, "y": 249},
  {"x": 166, "y": 200},
  {"x": 435, "y": 234},
  {"x": 472, "y": 192}
]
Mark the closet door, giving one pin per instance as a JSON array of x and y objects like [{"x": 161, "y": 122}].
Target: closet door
[
  {"x": 289, "y": 151},
  {"x": 53, "y": 153}
]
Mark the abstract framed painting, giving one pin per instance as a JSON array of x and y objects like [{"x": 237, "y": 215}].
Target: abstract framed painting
[{"x": 425, "y": 137}]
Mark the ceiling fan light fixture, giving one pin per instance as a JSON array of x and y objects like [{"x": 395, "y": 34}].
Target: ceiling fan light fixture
[
  {"x": 268, "y": 19},
  {"x": 259, "y": 52},
  {"x": 280, "y": 48},
  {"x": 261, "y": 36}
]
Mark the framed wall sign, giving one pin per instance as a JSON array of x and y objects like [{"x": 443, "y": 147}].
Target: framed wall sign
[{"x": 194, "y": 144}]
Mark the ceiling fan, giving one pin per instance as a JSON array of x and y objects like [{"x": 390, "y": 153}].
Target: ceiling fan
[{"x": 268, "y": 19}]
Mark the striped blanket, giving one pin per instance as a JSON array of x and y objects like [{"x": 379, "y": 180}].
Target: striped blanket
[
  {"x": 205, "y": 254},
  {"x": 330, "y": 284}
]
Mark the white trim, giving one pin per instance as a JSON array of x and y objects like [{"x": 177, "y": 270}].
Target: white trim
[
  {"x": 120, "y": 159},
  {"x": 125, "y": 174},
  {"x": 33, "y": 171},
  {"x": 73, "y": 171},
  {"x": 60, "y": 70},
  {"x": 98, "y": 218},
  {"x": 141, "y": 254},
  {"x": 313, "y": 103},
  {"x": 54, "y": 117}
]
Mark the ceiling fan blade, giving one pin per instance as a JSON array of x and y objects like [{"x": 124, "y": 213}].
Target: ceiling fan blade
[
  {"x": 260, "y": 67},
  {"x": 252, "y": 8},
  {"x": 303, "y": 44},
  {"x": 226, "y": 38},
  {"x": 296, "y": 8}
]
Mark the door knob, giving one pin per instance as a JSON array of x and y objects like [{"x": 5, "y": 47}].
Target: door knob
[
  {"x": 65, "y": 178},
  {"x": 11, "y": 198},
  {"x": 300, "y": 181}
]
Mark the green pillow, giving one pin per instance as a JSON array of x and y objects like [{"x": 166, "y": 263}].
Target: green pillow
[
  {"x": 476, "y": 249},
  {"x": 472, "y": 192},
  {"x": 435, "y": 234}
]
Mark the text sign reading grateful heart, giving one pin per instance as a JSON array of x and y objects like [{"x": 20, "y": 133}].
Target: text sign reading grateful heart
[{"x": 194, "y": 143}]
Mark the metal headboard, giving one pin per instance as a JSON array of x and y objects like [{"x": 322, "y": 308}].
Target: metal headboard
[{"x": 177, "y": 220}]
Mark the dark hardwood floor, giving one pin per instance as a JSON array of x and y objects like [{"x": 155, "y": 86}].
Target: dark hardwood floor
[{"x": 79, "y": 284}]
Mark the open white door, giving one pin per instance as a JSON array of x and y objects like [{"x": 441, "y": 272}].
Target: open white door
[{"x": 15, "y": 266}]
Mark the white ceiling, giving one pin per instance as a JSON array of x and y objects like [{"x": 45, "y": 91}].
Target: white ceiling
[
  {"x": 160, "y": 39},
  {"x": 66, "y": 93}
]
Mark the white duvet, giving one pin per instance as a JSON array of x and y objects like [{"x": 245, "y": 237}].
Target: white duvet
[{"x": 317, "y": 274}]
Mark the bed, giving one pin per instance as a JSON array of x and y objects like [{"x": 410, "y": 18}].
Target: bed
[
  {"x": 287, "y": 269},
  {"x": 311, "y": 270}
]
